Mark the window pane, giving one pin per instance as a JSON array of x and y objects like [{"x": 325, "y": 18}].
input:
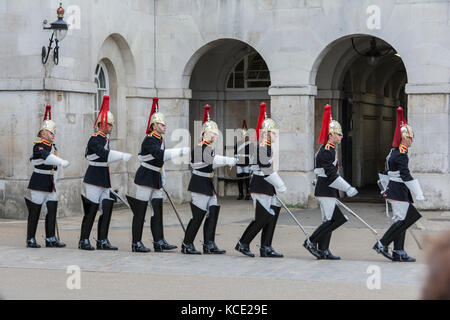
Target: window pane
[
  {"x": 101, "y": 77},
  {"x": 240, "y": 66},
  {"x": 230, "y": 81},
  {"x": 258, "y": 84}
]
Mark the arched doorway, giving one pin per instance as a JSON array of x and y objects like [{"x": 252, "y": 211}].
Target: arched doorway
[
  {"x": 363, "y": 78},
  {"x": 234, "y": 79}
]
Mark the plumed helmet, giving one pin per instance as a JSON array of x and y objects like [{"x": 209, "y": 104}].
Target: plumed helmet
[
  {"x": 208, "y": 125},
  {"x": 48, "y": 124},
  {"x": 155, "y": 116}
]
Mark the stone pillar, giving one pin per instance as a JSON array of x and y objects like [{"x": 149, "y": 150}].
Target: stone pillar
[
  {"x": 293, "y": 110},
  {"x": 174, "y": 103},
  {"x": 429, "y": 116}
]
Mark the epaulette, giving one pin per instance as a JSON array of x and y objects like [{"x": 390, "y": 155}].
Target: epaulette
[
  {"x": 204, "y": 142},
  {"x": 265, "y": 143},
  {"x": 47, "y": 143},
  {"x": 329, "y": 145},
  {"x": 99, "y": 133},
  {"x": 403, "y": 149},
  {"x": 154, "y": 134}
]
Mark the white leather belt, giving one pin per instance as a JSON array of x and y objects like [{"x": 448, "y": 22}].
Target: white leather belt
[
  {"x": 98, "y": 164},
  {"x": 395, "y": 176},
  {"x": 49, "y": 172},
  {"x": 149, "y": 166},
  {"x": 259, "y": 173},
  {"x": 320, "y": 172},
  {"x": 203, "y": 174}
]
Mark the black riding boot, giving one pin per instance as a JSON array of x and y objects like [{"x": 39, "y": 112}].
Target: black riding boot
[
  {"x": 337, "y": 220},
  {"x": 34, "y": 210},
  {"x": 50, "y": 225},
  {"x": 267, "y": 232},
  {"x": 395, "y": 231},
  {"x": 90, "y": 210},
  {"x": 209, "y": 231},
  {"x": 187, "y": 246},
  {"x": 324, "y": 250},
  {"x": 399, "y": 254},
  {"x": 103, "y": 226},
  {"x": 139, "y": 208},
  {"x": 262, "y": 217},
  {"x": 247, "y": 186},
  {"x": 240, "y": 183},
  {"x": 156, "y": 225}
]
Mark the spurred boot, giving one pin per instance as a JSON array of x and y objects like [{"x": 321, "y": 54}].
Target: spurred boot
[
  {"x": 34, "y": 210},
  {"x": 209, "y": 231},
  {"x": 399, "y": 254},
  {"x": 50, "y": 225},
  {"x": 194, "y": 224},
  {"x": 139, "y": 208},
  {"x": 156, "y": 225},
  {"x": 103, "y": 226},
  {"x": 324, "y": 250},
  {"x": 90, "y": 210},
  {"x": 267, "y": 232},
  {"x": 262, "y": 217}
]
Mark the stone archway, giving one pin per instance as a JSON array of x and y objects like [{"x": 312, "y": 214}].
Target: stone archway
[
  {"x": 234, "y": 79},
  {"x": 364, "y": 95}
]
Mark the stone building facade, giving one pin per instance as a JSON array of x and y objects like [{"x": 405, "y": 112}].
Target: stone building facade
[{"x": 296, "y": 55}]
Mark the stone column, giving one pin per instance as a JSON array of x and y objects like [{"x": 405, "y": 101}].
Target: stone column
[
  {"x": 293, "y": 110},
  {"x": 174, "y": 103},
  {"x": 429, "y": 116}
]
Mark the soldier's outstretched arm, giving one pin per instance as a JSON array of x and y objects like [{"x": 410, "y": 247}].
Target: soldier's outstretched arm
[{"x": 220, "y": 161}]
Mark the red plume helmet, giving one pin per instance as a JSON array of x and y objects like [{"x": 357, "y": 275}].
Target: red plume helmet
[
  {"x": 261, "y": 117},
  {"x": 397, "y": 133},
  {"x": 155, "y": 108},
  {"x": 323, "y": 138},
  {"x": 48, "y": 112},
  {"x": 206, "y": 113},
  {"x": 103, "y": 113}
]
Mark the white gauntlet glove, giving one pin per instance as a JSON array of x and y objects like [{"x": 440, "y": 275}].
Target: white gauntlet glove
[
  {"x": 220, "y": 161},
  {"x": 117, "y": 155},
  {"x": 275, "y": 180},
  {"x": 175, "y": 152},
  {"x": 53, "y": 160},
  {"x": 415, "y": 189},
  {"x": 343, "y": 185}
]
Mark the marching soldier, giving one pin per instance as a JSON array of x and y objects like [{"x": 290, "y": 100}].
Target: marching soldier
[
  {"x": 327, "y": 188},
  {"x": 45, "y": 160},
  {"x": 264, "y": 185},
  {"x": 243, "y": 166},
  {"x": 203, "y": 195},
  {"x": 399, "y": 192},
  {"x": 149, "y": 180},
  {"x": 97, "y": 181}
]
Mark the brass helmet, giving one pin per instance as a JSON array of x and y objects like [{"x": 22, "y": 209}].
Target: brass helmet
[
  {"x": 244, "y": 130},
  {"x": 335, "y": 127},
  {"x": 264, "y": 124},
  {"x": 208, "y": 125},
  {"x": 104, "y": 116},
  {"x": 48, "y": 124},
  {"x": 329, "y": 126},
  {"x": 155, "y": 115},
  {"x": 407, "y": 131}
]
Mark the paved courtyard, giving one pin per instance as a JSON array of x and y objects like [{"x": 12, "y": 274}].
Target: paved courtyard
[{"x": 47, "y": 273}]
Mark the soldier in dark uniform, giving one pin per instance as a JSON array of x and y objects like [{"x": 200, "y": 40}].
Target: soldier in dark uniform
[
  {"x": 328, "y": 185},
  {"x": 45, "y": 160},
  {"x": 204, "y": 198},
  {"x": 97, "y": 181},
  {"x": 243, "y": 166},
  {"x": 149, "y": 180},
  {"x": 264, "y": 185},
  {"x": 399, "y": 191}
]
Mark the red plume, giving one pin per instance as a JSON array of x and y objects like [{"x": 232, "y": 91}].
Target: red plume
[
  {"x": 323, "y": 138},
  {"x": 244, "y": 125},
  {"x": 103, "y": 113},
  {"x": 48, "y": 112},
  {"x": 397, "y": 133},
  {"x": 206, "y": 113},
  {"x": 155, "y": 108},
  {"x": 262, "y": 115}
]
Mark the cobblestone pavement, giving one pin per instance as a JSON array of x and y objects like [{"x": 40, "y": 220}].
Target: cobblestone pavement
[{"x": 42, "y": 273}]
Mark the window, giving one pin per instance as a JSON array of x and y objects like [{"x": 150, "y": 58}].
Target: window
[
  {"x": 102, "y": 81},
  {"x": 250, "y": 72}
]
